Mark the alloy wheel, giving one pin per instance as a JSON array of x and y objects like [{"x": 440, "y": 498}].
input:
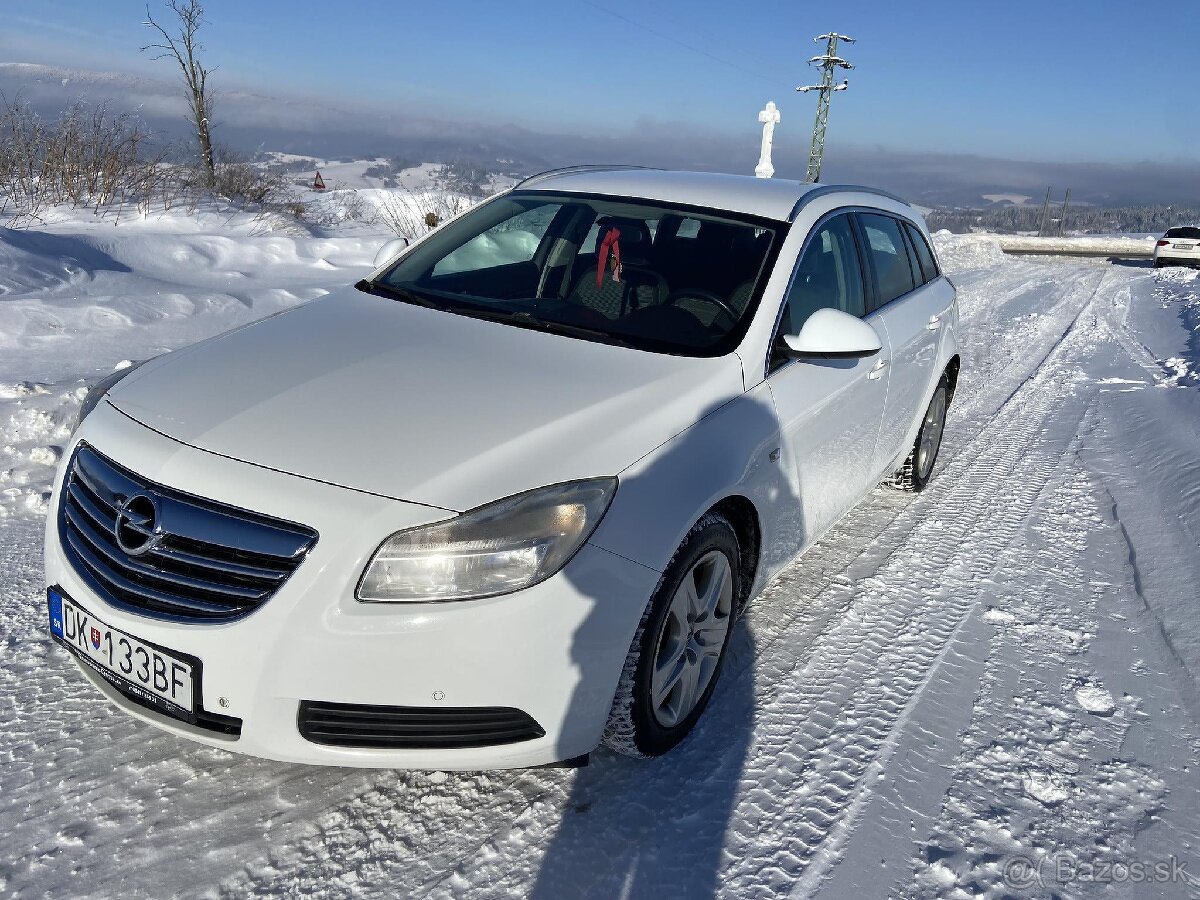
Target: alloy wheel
[
  {"x": 689, "y": 646},
  {"x": 931, "y": 434}
]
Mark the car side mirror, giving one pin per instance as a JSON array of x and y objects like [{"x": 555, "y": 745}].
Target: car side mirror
[
  {"x": 391, "y": 250},
  {"x": 831, "y": 332}
]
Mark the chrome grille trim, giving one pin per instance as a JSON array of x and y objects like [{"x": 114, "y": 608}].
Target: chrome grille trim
[
  {"x": 115, "y": 559},
  {"x": 213, "y": 563}
]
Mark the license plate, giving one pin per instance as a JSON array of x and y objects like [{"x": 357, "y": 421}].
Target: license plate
[
  {"x": 149, "y": 673},
  {"x": 1182, "y": 246}
]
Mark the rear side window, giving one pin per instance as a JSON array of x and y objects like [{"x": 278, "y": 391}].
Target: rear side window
[
  {"x": 885, "y": 246},
  {"x": 929, "y": 269}
]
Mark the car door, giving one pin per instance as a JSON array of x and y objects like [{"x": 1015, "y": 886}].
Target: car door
[
  {"x": 910, "y": 309},
  {"x": 829, "y": 409}
]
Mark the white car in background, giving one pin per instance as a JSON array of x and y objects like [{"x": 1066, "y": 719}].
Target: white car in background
[
  {"x": 505, "y": 498},
  {"x": 1178, "y": 247}
]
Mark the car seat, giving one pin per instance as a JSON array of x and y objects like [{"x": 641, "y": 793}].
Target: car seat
[{"x": 640, "y": 285}]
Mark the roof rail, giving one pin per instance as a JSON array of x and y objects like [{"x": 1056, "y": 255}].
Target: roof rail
[
  {"x": 571, "y": 170},
  {"x": 825, "y": 189}
]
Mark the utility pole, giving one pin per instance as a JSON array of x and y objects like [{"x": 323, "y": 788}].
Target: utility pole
[
  {"x": 826, "y": 64},
  {"x": 1045, "y": 212}
]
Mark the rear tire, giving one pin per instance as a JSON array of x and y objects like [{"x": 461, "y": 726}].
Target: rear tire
[
  {"x": 679, "y": 647},
  {"x": 914, "y": 475}
]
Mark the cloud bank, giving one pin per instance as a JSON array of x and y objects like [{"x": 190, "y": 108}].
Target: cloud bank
[{"x": 249, "y": 122}]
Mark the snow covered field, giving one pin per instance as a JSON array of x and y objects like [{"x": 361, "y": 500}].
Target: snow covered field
[{"x": 953, "y": 695}]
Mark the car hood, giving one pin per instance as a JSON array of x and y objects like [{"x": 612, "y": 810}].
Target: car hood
[{"x": 421, "y": 405}]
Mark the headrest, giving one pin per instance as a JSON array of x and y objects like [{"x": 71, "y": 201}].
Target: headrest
[
  {"x": 635, "y": 234},
  {"x": 719, "y": 236}
]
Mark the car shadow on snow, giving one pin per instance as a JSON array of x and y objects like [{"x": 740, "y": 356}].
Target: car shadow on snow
[{"x": 665, "y": 827}]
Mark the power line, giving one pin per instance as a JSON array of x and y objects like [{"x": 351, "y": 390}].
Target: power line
[{"x": 826, "y": 63}]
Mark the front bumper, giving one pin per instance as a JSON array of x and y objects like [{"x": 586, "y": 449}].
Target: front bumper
[{"x": 554, "y": 651}]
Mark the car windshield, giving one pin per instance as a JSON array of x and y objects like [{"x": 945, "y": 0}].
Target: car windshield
[{"x": 652, "y": 276}]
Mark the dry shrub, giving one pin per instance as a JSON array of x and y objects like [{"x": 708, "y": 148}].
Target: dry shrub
[
  {"x": 89, "y": 157},
  {"x": 413, "y": 213},
  {"x": 239, "y": 180}
]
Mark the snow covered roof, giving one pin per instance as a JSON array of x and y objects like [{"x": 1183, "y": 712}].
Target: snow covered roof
[{"x": 771, "y": 198}]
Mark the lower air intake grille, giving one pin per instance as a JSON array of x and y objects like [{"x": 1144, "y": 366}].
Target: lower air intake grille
[
  {"x": 167, "y": 554},
  {"x": 411, "y": 727}
]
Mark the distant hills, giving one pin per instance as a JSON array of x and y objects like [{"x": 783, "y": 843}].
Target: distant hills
[{"x": 253, "y": 122}]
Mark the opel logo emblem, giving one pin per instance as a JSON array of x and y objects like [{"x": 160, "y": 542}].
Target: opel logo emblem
[{"x": 137, "y": 528}]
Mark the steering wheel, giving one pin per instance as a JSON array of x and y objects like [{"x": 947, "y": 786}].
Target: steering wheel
[{"x": 720, "y": 303}]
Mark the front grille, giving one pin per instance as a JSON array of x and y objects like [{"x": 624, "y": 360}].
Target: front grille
[
  {"x": 197, "y": 560},
  {"x": 413, "y": 727}
]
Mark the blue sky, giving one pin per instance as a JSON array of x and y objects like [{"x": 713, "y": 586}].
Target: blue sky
[{"x": 1045, "y": 80}]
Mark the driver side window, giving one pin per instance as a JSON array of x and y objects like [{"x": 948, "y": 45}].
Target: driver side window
[{"x": 828, "y": 276}]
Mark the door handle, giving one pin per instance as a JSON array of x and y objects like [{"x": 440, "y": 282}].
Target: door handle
[
  {"x": 877, "y": 369},
  {"x": 936, "y": 319}
]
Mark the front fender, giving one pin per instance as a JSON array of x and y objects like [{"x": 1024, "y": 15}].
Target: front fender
[{"x": 726, "y": 453}]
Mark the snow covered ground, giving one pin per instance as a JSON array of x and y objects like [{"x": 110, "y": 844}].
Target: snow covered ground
[{"x": 954, "y": 695}]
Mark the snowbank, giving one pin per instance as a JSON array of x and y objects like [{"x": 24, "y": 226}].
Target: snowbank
[
  {"x": 35, "y": 261},
  {"x": 1098, "y": 246},
  {"x": 961, "y": 252}
]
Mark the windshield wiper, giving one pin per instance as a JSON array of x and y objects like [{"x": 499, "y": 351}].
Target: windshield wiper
[
  {"x": 396, "y": 293},
  {"x": 520, "y": 318},
  {"x": 529, "y": 320}
]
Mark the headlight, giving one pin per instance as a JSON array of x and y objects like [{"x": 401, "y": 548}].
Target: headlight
[
  {"x": 97, "y": 391},
  {"x": 495, "y": 549}
]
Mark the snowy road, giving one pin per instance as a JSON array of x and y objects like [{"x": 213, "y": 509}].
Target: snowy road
[{"x": 999, "y": 669}]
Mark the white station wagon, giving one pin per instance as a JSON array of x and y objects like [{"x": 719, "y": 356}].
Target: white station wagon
[
  {"x": 1178, "y": 247},
  {"x": 503, "y": 499}
]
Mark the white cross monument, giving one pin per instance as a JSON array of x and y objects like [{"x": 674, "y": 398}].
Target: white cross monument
[{"x": 769, "y": 118}]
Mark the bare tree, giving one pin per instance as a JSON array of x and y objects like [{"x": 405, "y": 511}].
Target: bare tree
[{"x": 185, "y": 48}]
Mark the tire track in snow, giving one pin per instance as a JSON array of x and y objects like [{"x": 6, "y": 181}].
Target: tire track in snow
[
  {"x": 830, "y": 719},
  {"x": 863, "y": 542},
  {"x": 1037, "y": 775}
]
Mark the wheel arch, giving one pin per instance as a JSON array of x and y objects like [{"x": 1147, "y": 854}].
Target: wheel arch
[
  {"x": 743, "y": 515},
  {"x": 951, "y": 371}
]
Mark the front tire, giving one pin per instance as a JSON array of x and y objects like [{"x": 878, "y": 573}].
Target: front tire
[
  {"x": 918, "y": 468},
  {"x": 680, "y": 643}
]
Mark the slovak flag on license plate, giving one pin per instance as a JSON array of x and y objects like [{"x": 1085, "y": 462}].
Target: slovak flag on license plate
[{"x": 95, "y": 636}]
